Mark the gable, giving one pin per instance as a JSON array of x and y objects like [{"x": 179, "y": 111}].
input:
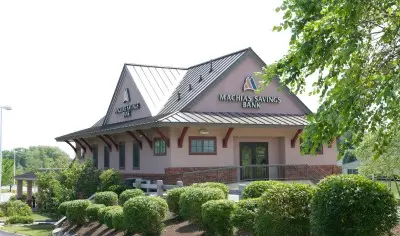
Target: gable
[
  {"x": 235, "y": 93},
  {"x": 127, "y": 103}
]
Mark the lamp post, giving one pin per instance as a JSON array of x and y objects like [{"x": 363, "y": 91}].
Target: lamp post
[
  {"x": 14, "y": 169},
  {"x": 7, "y": 108}
]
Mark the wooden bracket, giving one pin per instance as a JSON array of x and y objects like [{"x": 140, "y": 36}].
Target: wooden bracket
[
  {"x": 135, "y": 138},
  {"x": 182, "y": 137},
  {"x": 80, "y": 144},
  {"x": 147, "y": 138},
  {"x": 112, "y": 141},
  {"x": 105, "y": 141},
  {"x": 227, "y": 135},
  {"x": 330, "y": 143},
  {"x": 87, "y": 144},
  {"x": 69, "y": 143},
  {"x": 163, "y": 136},
  {"x": 296, "y": 136}
]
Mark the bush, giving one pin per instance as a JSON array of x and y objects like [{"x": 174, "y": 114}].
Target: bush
[
  {"x": 107, "y": 198},
  {"x": 19, "y": 220},
  {"x": 352, "y": 205},
  {"x": 150, "y": 210},
  {"x": 118, "y": 219},
  {"x": 102, "y": 212},
  {"x": 173, "y": 196},
  {"x": 284, "y": 210},
  {"x": 244, "y": 214},
  {"x": 216, "y": 217},
  {"x": 92, "y": 211},
  {"x": 62, "y": 208},
  {"x": 76, "y": 211},
  {"x": 257, "y": 188},
  {"x": 108, "y": 216},
  {"x": 130, "y": 193},
  {"x": 109, "y": 178},
  {"x": 118, "y": 189},
  {"x": 221, "y": 186},
  {"x": 191, "y": 200},
  {"x": 17, "y": 207}
]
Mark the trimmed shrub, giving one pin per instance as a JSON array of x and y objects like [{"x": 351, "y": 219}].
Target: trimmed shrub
[
  {"x": 191, "y": 200},
  {"x": 108, "y": 216},
  {"x": 244, "y": 214},
  {"x": 352, "y": 205},
  {"x": 107, "y": 198},
  {"x": 173, "y": 196},
  {"x": 17, "y": 207},
  {"x": 118, "y": 189},
  {"x": 221, "y": 186},
  {"x": 102, "y": 212},
  {"x": 284, "y": 210},
  {"x": 19, "y": 220},
  {"x": 62, "y": 208},
  {"x": 216, "y": 217},
  {"x": 128, "y": 194},
  {"x": 257, "y": 188},
  {"x": 118, "y": 219},
  {"x": 109, "y": 178},
  {"x": 92, "y": 211},
  {"x": 150, "y": 210},
  {"x": 76, "y": 211}
]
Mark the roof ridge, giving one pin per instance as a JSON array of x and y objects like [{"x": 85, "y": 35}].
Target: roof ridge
[
  {"x": 154, "y": 66},
  {"x": 218, "y": 58}
]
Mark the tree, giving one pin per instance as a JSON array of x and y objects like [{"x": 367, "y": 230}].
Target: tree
[
  {"x": 353, "y": 47},
  {"x": 7, "y": 172},
  {"x": 349, "y": 156}
]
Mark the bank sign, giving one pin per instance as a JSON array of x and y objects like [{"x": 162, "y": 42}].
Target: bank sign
[
  {"x": 127, "y": 109},
  {"x": 246, "y": 100}
]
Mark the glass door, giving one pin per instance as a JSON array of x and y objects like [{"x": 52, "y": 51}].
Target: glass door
[{"x": 251, "y": 154}]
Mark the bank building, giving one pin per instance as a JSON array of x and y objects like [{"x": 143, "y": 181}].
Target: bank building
[{"x": 206, "y": 122}]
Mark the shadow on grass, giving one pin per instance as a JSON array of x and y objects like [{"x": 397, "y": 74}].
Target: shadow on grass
[{"x": 93, "y": 228}]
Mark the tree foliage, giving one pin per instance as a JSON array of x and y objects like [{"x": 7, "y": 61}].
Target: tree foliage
[
  {"x": 353, "y": 48},
  {"x": 7, "y": 174}
]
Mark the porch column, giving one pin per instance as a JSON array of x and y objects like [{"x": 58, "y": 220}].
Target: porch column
[
  {"x": 19, "y": 189},
  {"x": 29, "y": 190}
]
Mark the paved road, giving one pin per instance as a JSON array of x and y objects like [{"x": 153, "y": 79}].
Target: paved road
[{"x": 7, "y": 234}]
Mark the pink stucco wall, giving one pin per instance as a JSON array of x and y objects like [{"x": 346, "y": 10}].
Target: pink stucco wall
[
  {"x": 233, "y": 84},
  {"x": 136, "y": 97}
]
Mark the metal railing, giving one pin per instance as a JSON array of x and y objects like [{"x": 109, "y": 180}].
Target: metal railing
[{"x": 232, "y": 174}]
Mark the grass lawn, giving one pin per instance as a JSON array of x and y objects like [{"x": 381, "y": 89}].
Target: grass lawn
[
  {"x": 31, "y": 230},
  {"x": 38, "y": 217},
  {"x": 392, "y": 186}
]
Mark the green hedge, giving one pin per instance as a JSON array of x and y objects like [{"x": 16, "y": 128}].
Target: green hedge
[
  {"x": 118, "y": 189},
  {"x": 108, "y": 216},
  {"x": 128, "y": 194},
  {"x": 145, "y": 215},
  {"x": 62, "y": 208},
  {"x": 76, "y": 211},
  {"x": 19, "y": 220},
  {"x": 173, "y": 196},
  {"x": 109, "y": 178},
  {"x": 216, "y": 217},
  {"x": 221, "y": 186},
  {"x": 257, "y": 188},
  {"x": 244, "y": 214},
  {"x": 352, "y": 205},
  {"x": 107, "y": 198},
  {"x": 191, "y": 200},
  {"x": 284, "y": 210},
  {"x": 17, "y": 207},
  {"x": 118, "y": 219},
  {"x": 102, "y": 212},
  {"x": 92, "y": 211}
]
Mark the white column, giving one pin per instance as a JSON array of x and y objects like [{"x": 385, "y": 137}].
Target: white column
[
  {"x": 29, "y": 190},
  {"x": 19, "y": 189}
]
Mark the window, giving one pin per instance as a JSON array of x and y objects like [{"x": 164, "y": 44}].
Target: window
[
  {"x": 121, "y": 155},
  {"x": 202, "y": 146},
  {"x": 160, "y": 148},
  {"x": 136, "y": 156},
  {"x": 352, "y": 171},
  {"x": 305, "y": 151},
  {"x": 106, "y": 157},
  {"x": 95, "y": 153}
]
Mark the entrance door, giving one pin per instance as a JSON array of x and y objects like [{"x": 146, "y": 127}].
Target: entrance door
[{"x": 254, "y": 153}]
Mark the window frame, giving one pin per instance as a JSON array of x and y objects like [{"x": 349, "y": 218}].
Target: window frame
[
  {"x": 108, "y": 157},
  {"x": 154, "y": 147},
  {"x": 135, "y": 144},
  {"x": 119, "y": 155},
  {"x": 202, "y": 138},
  {"x": 95, "y": 149}
]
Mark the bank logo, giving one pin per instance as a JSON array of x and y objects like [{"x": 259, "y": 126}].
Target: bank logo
[
  {"x": 249, "y": 84},
  {"x": 127, "y": 96}
]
